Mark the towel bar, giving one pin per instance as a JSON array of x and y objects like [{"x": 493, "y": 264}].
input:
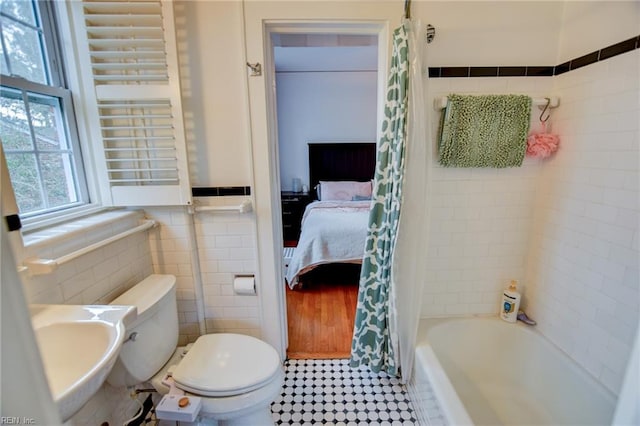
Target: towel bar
[
  {"x": 244, "y": 207},
  {"x": 441, "y": 102}
]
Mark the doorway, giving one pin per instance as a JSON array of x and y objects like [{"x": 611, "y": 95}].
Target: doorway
[{"x": 327, "y": 82}]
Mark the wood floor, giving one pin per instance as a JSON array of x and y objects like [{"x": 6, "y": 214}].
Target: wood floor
[{"x": 320, "y": 315}]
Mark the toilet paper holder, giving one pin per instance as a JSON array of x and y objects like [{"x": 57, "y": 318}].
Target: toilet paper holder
[{"x": 244, "y": 284}]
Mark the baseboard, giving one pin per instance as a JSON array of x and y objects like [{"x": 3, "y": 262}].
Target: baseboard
[{"x": 318, "y": 355}]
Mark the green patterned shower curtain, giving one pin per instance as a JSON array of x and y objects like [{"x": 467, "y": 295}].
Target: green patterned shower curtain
[{"x": 373, "y": 344}]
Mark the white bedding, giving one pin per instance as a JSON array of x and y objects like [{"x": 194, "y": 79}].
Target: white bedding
[{"x": 332, "y": 231}]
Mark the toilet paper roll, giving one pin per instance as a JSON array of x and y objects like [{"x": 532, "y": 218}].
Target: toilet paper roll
[{"x": 244, "y": 284}]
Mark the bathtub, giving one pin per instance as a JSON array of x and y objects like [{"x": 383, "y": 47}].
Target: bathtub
[{"x": 485, "y": 371}]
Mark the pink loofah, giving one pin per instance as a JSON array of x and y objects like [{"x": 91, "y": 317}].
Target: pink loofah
[{"x": 542, "y": 144}]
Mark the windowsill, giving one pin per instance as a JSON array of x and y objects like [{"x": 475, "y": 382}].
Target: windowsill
[
  {"x": 33, "y": 224},
  {"x": 77, "y": 228}
]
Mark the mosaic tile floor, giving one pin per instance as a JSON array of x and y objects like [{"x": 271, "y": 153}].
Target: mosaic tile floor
[{"x": 330, "y": 392}]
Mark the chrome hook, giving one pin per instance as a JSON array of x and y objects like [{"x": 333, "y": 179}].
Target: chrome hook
[
  {"x": 256, "y": 69},
  {"x": 546, "y": 107}
]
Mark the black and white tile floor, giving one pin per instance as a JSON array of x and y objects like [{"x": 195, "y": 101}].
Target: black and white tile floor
[{"x": 330, "y": 392}]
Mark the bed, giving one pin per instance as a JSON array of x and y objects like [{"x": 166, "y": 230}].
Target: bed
[{"x": 334, "y": 227}]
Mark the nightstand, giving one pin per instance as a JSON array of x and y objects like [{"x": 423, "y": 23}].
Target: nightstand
[{"x": 293, "y": 204}]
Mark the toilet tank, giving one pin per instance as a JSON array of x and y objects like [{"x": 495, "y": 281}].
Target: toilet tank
[{"x": 156, "y": 329}]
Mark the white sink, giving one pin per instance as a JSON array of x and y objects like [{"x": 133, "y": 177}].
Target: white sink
[{"x": 78, "y": 345}]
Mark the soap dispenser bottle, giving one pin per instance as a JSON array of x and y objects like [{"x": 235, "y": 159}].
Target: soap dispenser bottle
[{"x": 510, "y": 303}]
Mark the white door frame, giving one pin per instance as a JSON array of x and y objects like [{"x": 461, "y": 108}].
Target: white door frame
[{"x": 267, "y": 193}]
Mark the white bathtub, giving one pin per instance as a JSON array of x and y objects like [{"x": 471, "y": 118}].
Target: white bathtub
[{"x": 485, "y": 371}]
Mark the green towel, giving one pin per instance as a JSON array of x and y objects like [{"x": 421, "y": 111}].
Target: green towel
[{"x": 484, "y": 131}]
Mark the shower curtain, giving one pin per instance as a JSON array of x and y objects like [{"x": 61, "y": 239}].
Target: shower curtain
[
  {"x": 378, "y": 342},
  {"x": 410, "y": 266}
]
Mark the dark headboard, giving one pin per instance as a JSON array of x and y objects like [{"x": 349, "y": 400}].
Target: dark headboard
[{"x": 341, "y": 161}]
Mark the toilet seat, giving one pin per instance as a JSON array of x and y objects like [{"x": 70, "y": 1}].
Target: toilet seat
[{"x": 226, "y": 364}]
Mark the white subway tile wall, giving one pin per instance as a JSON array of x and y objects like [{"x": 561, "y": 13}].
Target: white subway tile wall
[
  {"x": 582, "y": 275},
  {"x": 480, "y": 218},
  {"x": 96, "y": 277},
  {"x": 227, "y": 247},
  {"x": 173, "y": 252}
]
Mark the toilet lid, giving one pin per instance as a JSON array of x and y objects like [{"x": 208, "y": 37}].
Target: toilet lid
[{"x": 226, "y": 364}]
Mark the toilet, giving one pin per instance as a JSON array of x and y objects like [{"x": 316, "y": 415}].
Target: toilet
[{"x": 237, "y": 377}]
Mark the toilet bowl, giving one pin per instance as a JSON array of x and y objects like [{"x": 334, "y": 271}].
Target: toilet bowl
[{"x": 237, "y": 376}]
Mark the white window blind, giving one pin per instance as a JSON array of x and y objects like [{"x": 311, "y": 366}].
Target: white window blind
[{"x": 130, "y": 54}]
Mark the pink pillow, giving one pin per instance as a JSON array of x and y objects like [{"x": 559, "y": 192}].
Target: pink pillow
[{"x": 344, "y": 190}]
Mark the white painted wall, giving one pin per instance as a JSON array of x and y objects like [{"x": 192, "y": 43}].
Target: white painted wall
[
  {"x": 481, "y": 33},
  {"x": 321, "y": 107},
  {"x": 592, "y": 25}
]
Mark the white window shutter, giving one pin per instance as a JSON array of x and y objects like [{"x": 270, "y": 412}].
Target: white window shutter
[{"x": 130, "y": 64}]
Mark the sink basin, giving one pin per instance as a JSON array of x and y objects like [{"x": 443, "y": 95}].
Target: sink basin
[{"x": 78, "y": 346}]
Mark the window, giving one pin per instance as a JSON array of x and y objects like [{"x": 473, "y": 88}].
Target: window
[
  {"x": 38, "y": 130},
  {"x": 122, "y": 64}
]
